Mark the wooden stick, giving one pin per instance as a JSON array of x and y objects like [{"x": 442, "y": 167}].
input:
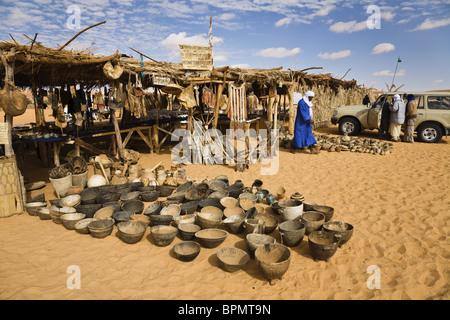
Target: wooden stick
[
  {"x": 144, "y": 55},
  {"x": 97, "y": 24},
  {"x": 32, "y": 43}
]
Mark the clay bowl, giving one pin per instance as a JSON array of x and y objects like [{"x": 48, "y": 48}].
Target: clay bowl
[
  {"x": 187, "y": 218},
  {"x": 186, "y": 250},
  {"x": 327, "y": 211},
  {"x": 56, "y": 213},
  {"x": 135, "y": 206},
  {"x": 229, "y": 202},
  {"x": 235, "y": 190},
  {"x": 322, "y": 245},
  {"x": 82, "y": 225},
  {"x": 177, "y": 196},
  {"x": 89, "y": 209},
  {"x": 231, "y": 211},
  {"x": 275, "y": 207},
  {"x": 164, "y": 191},
  {"x": 273, "y": 260},
  {"x": 146, "y": 189},
  {"x": 149, "y": 196},
  {"x": 184, "y": 187},
  {"x": 69, "y": 220},
  {"x": 308, "y": 206},
  {"x": 89, "y": 195},
  {"x": 38, "y": 198},
  {"x": 160, "y": 220},
  {"x": 71, "y": 201},
  {"x": 290, "y": 209},
  {"x": 255, "y": 240},
  {"x": 247, "y": 200},
  {"x": 32, "y": 207},
  {"x": 209, "y": 217},
  {"x": 189, "y": 207},
  {"x": 108, "y": 197},
  {"x": 232, "y": 259},
  {"x": 115, "y": 204},
  {"x": 173, "y": 210},
  {"x": 131, "y": 231},
  {"x": 104, "y": 213},
  {"x": 217, "y": 185},
  {"x": 122, "y": 216},
  {"x": 254, "y": 226},
  {"x": 235, "y": 223},
  {"x": 211, "y": 238},
  {"x": 166, "y": 203},
  {"x": 187, "y": 230},
  {"x": 136, "y": 185},
  {"x": 270, "y": 222},
  {"x": 341, "y": 230},
  {"x": 154, "y": 208},
  {"x": 142, "y": 218},
  {"x": 210, "y": 202},
  {"x": 163, "y": 235},
  {"x": 130, "y": 196},
  {"x": 313, "y": 221},
  {"x": 291, "y": 232},
  {"x": 55, "y": 202},
  {"x": 123, "y": 189},
  {"x": 101, "y": 228},
  {"x": 219, "y": 194},
  {"x": 44, "y": 213}
]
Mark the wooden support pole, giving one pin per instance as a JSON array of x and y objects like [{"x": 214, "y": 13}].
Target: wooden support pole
[
  {"x": 218, "y": 98},
  {"x": 9, "y": 83},
  {"x": 292, "y": 110},
  {"x": 117, "y": 131}
]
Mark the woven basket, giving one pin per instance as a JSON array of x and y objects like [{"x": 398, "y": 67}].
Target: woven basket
[{"x": 10, "y": 194}]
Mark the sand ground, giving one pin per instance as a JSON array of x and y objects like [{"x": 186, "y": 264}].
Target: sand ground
[{"x": 398, "y": 205}]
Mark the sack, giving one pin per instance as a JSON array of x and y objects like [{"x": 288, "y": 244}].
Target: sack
[
  {"x": 112, "y": 72},
  {"x": 14, "y": 104}
]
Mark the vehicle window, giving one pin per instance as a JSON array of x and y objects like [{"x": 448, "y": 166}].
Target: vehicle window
[
  {"x": 438, "y": 102},
  {"x": 379, "y": 102},
  {"x": 420, "y": 101}
]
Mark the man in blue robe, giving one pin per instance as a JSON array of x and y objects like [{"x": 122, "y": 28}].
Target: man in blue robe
[{"x": 303, "y": 136}]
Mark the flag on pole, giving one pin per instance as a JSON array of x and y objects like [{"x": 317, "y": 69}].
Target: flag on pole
[
  {"x": 399, "y": 60},
  {"x": 210, "y": 31}
]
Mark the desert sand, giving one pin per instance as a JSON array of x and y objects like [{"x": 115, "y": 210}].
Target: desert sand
[{"x": 397, "y": 203}]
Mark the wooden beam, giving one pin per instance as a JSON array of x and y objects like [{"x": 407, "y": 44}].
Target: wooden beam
[
  {"x": 218, "y": 98},
  {"x": 87, "y": 146},
  {"x": 9, "y": 85}
]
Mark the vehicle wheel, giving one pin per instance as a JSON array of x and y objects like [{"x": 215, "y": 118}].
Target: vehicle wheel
[
  {"x": 350, "y": 126},
  {"x": 429, "y": 133}
]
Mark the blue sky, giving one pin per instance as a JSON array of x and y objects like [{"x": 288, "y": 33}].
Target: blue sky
[{"x": 293, "y": 34}]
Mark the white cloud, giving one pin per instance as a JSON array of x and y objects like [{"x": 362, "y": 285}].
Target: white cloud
[
  {"x": 429, "y": 24},
  {"x": 324, "y": 11},
  {"x": 388, "y": 73},
  {"x": 226, "y": 16},
  {"x": 387, "y": 15},
  {"x": 282, "y": 22},
  {"x": 278, "y": 52},
  {"x": 383, "y": 47},
  {"x": 334, "y": 55},
  {"x": 174, "y": 39},
  {"x": 348, "y": 27},
  {"x": 220, "y": 58},
  {"x": 437, "y": 82},
  {"x": 240, "y": 66}
]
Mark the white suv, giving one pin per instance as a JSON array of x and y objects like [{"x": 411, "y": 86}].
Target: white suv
[{"x": 433, "y": 115}]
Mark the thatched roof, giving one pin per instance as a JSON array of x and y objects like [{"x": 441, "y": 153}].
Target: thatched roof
[{"x": 55, "y": 67}]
